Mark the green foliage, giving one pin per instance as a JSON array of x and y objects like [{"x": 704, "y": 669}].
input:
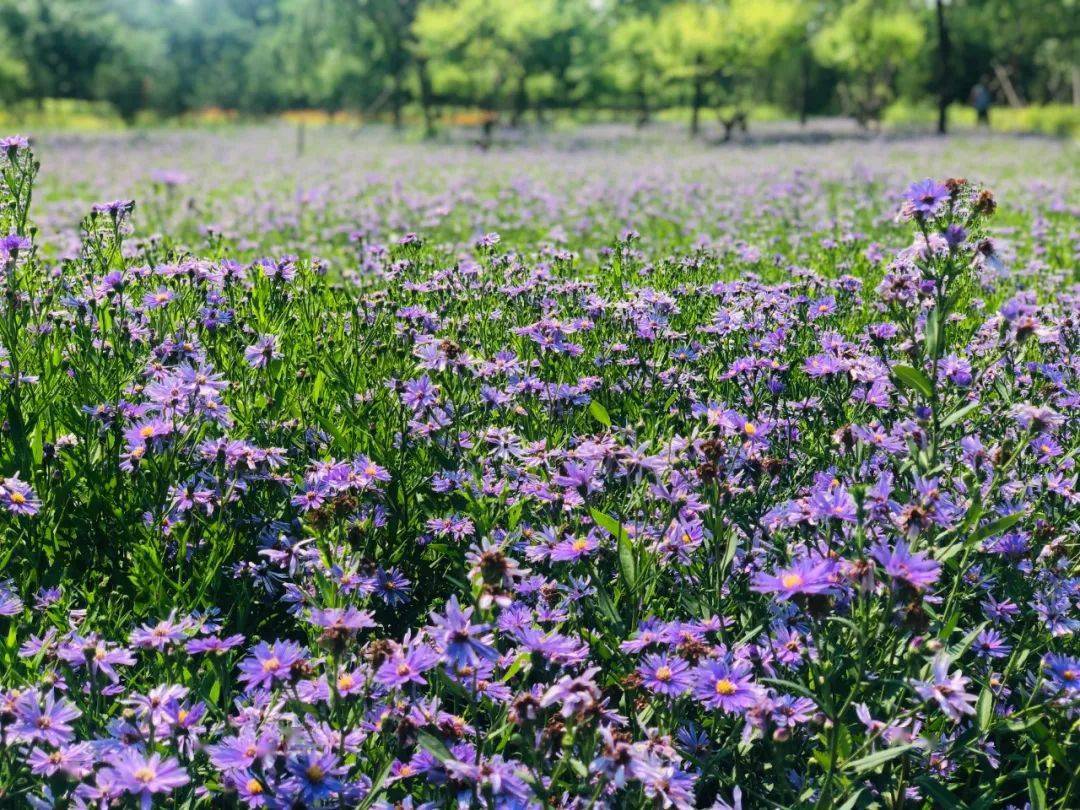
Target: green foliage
[
  {"x": 870, "y": 43},
  {"x": 398, "y": 58}
]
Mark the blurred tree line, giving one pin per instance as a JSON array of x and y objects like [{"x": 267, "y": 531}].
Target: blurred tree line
[{"x": 509, "y": 59}]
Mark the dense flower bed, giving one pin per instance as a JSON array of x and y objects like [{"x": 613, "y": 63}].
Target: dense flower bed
[{"x": 785, "y": 523}]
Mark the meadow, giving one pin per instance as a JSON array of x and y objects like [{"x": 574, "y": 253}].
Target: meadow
[{"x": 599, "y": 469}]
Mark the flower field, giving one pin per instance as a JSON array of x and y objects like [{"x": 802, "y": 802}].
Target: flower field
[{"x": 595, "y": 471}]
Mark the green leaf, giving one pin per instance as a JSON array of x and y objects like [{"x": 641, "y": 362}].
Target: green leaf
[
  {"x": 627, "y": 563},
  {"x": 872, "y": 761},
  {"x": 914, "y": 379},
  {"x": 317, "y": 387},
  {"x": 1037, "y": 793},
  {"x": 984, "y": 708},
  {"x": 434, "y": 746},
  {"x": 941, "y": 795},
  {"x": 600, "y": 413},
  {"x": 932, "y": 332},
  {"x": 729, "y": 551},
  {"x": 959, "y": 414},
  {"x": 998, "y": 526},
  {"x": 377, "y": 785},
  {"x": 1041, "y": 733}
]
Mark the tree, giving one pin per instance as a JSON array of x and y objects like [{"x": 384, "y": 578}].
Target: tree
[
  {"x": 717, "y": 49},
  {"x": 870, "y": 42},
  {"x": 632, "y": 63},
  {"x": 492, "y": 53},
  {"x": 944, "y": 96},
  {"x": 60, "y": 44}
]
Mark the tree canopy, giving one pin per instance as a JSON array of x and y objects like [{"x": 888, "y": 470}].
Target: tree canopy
[{"x": 508, "y": 58}]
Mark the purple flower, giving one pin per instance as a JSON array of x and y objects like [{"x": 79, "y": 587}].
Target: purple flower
[
  {"x": 728, "y": 687},
  {"x": 947, "y": 690},
  {"x": 572, "y": 550},
  {"x": 143, "y": 775},
  {"x": 316, "y": 776},
  {"x": 911, "y": 568},
  {"x": 926, "y": 197},
  {"x": 47, "y": 721},
  {"x": 342, "y": 621},
  {"x": 262, "y": 351},
  {"x": 462, "y": 642},
  {"x": 407, "y": 667},
  {"x": 213, "y": 644},
  {"x": 159, "y": 298},
  {"x": 17, "y": 497},
  {"x": 270, "y": 663},
  {"x": 665, "y": 784},
  {"x": 10, "y": 603},
  {"x": 1062, "y": 674},
  {"x": 805, "y": 577},
  {"x": 77, "y": 761},
  {"x": 159, "y": 636},
  {"x": 664, "y": 675},
  {"x": 835, "y": 503},
  {"x": 13, "y": 143},
  {"x": 96, "y": 654},
  {"x": 991, "y": 644},
  {"x": 241, "y": 752}
]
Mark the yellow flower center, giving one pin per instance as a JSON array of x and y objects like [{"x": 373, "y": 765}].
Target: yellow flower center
[
  {"x": 791, "y": 580},
  {"x": 725, "y": 687},
  {"x": 315, "y": 772},
  {"x": 254, "y": 786},
  {"x": 271, "y": 664},
  {"x": 1068, "y": 675},
  {"x": 144, "y": 775},
  {"x": 403, "y": 669},
  {"x": 146, "y": 432},
  {"x": 749, "y": 429},
  {"x": 580, "y": 545},
  {"x": 663, "y": 674},
  {"x": 345, "y": 682},
  {"x": 18, "y": 497}
]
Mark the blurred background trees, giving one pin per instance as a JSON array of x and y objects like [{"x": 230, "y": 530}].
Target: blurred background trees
[{"x": 509, "y": 61}]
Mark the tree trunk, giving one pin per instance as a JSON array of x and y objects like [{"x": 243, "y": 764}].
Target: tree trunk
[
  {"x": 643, "y": 105},
  {"x": 943, "y": 70},
  {"x": 426, "y": 105},
  {"x": 395, "y": 102},
  {"x": 804, "y": 92},
  {"x": 699, "y": 100},
  {"x": 521, "y": 103}
]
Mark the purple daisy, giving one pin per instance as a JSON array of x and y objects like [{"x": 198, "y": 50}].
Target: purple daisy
[
  {"x": 724, "y": 686},
  {"x": 926, "y": 197},
  {"x": 143, "y": 776},
  {"x": 805, "y": 577},
  {"x": 17, "y": 497},
  {"x": 665, "y": 675},
  {"x": 269, "y": 663},
  {"x": 914, "y": 569}
]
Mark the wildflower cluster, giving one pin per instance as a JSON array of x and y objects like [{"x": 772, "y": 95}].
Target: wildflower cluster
[{"x": 426, "y": 525}]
